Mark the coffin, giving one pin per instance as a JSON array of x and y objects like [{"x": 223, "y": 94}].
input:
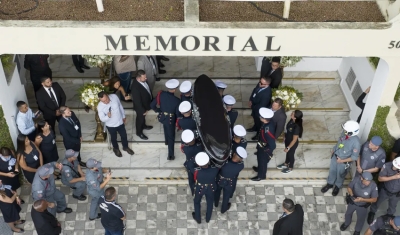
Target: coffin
[{"x": 211, "y": 119}]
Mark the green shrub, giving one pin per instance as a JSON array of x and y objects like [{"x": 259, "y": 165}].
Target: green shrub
[
  {"x": 5, "y": 137},
  {"x": 7, "y": 62},
  {"x": 374, "y": 61},
  {"x": 397, "y": 95},
  {"x": 380, "y": 128}
]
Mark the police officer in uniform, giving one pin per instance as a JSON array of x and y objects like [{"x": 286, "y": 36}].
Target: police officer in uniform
[
  {"x": 390, "y": 180},
  {"x": 221, "y": 87},
  {"x": 186, "y": 91},
  {"x": 72, "y": 174},
  {"x": 343, "y": 153},
  {"x": 190, "y": 148},
  {"x": 384, "y": 225},
  {"x": 362, "y": 191},
  {"x": 265, "y": 145},
  {"x": 95, "y": 185},
  {"x": 227, "y": 178},
  {"x": 167, "y": 104},
  {"x": 44, "y": 187},
  {"x": 372, "y": 157},
  {"x": 229, "y": 101},
  {"x": 239, "y": 134},
  {"x": 205, "y": 185},
  {"x": 186, "y": 122}
]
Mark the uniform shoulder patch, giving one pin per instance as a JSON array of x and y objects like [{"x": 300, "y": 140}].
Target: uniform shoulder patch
[{"x": 355, "y": 150}]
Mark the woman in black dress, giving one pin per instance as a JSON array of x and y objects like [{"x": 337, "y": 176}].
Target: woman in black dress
[
  {"x": 294, "y": 131},
  {"x": 46, "y": 140},
  {"x": 9, "y": 168},
  {"x": 9, "y": 206},
  {"x": 29, "y": 156}
]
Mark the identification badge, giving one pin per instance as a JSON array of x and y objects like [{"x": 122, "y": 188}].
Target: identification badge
[
  {"x": 54, "y": 141},
  {"x": 76, "y": 127},
  {"x": 35, "y": 157},
  {"x": 254, "y": 95},
  {"x": 9, "y": 168}
]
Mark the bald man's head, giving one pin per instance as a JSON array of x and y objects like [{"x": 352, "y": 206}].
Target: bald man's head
[{"x": 40, "y": 205}]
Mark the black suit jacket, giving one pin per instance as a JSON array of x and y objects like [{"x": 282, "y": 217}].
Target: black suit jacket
[
  {"x": 46, "y": 105},
  {"x": 276, "y": 76},
  {"x": 45, "y": 223},
  {"x": 71, "y": 136},
  {"x": 260, "y": 99},
  {"x": 291, "y": 224},
  {"x": 279, "y": 120},
  {"x": 140, "y": 97}
]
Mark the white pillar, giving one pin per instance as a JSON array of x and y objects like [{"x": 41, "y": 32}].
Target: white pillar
[
  {"x": 100, "y": 7},
  {"x": 286, "y": 9},
  {"x": 383, "y": 89}
]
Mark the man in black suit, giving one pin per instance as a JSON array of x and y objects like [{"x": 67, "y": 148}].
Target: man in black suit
[
  {"x": 38, "y": 67},
  {"x": 291, "y": 221},
  {"x": 272, "y": 69},
  {"x": 260, "y": 98},
  {"x": 279, "y": 118},
  {"x": 141, "y": 97},
  {"x": 70, "y": 129},
  {"x": 50, "y": 97}
]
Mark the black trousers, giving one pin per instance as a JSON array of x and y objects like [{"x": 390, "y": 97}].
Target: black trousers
[
  {"x": 52, "y": 122},
  {"x": 169, "y": 134},
  {"x": 122, "y": 132},
  {"x": 290, "y": 154},
  {"x": 263, "y": 158},
  {"x": 257, "y": 123},
  {"x": 78, "y": 61},
  {"x": 140, "y": 122}
]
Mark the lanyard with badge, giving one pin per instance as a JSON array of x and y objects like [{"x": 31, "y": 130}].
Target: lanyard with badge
[{"x": 73, "y": 123}]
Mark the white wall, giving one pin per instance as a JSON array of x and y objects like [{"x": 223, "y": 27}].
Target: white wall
[
  {"x": 9, "y": 95},
  {"x": 364, "y": 75},
  {"x": 389, "y": 10},
  {"x": 309, "y": 64}
]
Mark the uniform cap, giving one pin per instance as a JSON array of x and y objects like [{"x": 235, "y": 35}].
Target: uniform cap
[
  {"x": 367, "y": 175},
  {"x": 71, "y": 153},
  {"x": 376, "y": 140},
  {"x": 229, "y": 100},
  {"x": 396, "y": 162},
  {"x": 239, "y": 130},
  {"x": 92, "y": 163},
  {"x": 266, "y": 113},
  {"x": 45, "y": 170},
  {"x": 185, "y": 106},
  {"x": 220, "y": 84},
  {"x": 187, "y": 136},
  {"x": 396, "y": 221},
  {"x": 172, "y": 84},
  {"x": 241, "y": 152},
  {"x": 185, "y": 87},
  {"x": 202, "y": 159}
]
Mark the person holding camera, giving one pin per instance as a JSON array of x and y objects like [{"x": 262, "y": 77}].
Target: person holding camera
[
  {"x": 390, "y": 178},
  {"x": 362, "y": 191},
  {"x": 96, "y": 183},
  {"x": 72, "y": 175}
]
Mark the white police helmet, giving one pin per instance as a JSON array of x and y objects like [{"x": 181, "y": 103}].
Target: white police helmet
[{"x": 352, "y": 128}]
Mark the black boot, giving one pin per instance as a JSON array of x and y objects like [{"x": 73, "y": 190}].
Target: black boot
[
  {"x": 335, "y": 191},
  {"x": 343, "y": 227},
  {"x": 326, "y": 188},
  {"x": 370, "y": 218}
]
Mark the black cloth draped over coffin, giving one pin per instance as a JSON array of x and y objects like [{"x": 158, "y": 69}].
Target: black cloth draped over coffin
[{"x": 211, "y": 119}]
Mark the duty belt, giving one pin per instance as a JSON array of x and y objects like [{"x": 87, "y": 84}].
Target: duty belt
[
  {"x": 202, "y": 184},
  {"x": 168, "y": 114},
  {"x": 225, "y": 178}
]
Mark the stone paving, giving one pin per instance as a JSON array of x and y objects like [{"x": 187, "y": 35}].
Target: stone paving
[{"x": 166, "y": 210}]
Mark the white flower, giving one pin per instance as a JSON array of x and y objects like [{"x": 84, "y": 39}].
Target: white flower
[
  {"x": 298, "y": 101},
  {"x": 294, "y": 94},
  {"x": 285, "y": 97},
  {"x": 293, "y": 106},
  {"x": 285, "y": 93}
]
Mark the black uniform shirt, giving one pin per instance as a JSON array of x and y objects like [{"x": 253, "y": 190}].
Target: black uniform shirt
[
  {"x": 291, "y": 129},
  {"x": 45, "y": 223},
  {"x": 231, "y": 169},
  {"x": 111, "y": 214},
  {"x": 242, "y": 143}
]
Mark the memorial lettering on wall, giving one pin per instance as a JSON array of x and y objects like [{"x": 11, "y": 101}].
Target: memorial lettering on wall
[{"x": 189, "y": 43}]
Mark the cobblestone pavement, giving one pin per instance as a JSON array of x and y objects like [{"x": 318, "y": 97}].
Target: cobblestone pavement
[{"x": 166, "y": 210}]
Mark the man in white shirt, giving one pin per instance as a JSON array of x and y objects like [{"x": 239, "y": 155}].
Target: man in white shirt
[
  {"x": 112, "y": 114},
  {"x": 24, "y": 120}
]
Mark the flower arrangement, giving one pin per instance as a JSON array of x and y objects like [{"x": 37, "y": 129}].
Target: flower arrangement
[
  {"x": 88, "y": 93},
  {"x": 290, "y": 96},
  {"x": 98, "y": 60},
  {"x": 288, "y": 61}
]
